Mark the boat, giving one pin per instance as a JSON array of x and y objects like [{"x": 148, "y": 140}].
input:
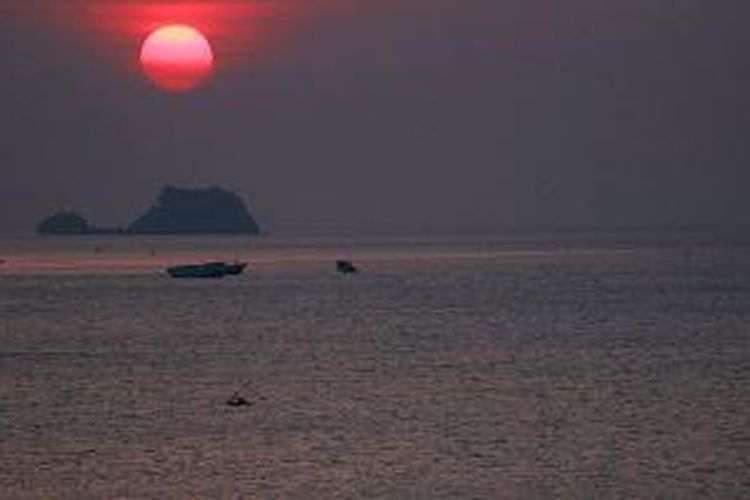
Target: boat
[
  {"x": 207, "y": 270},
  {"x": 346, "y": 267},
  {"x": 235, "y": 268}
]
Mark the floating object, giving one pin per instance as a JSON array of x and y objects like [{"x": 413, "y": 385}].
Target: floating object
[
  {"x": 346, "y": 267},
  {"x": 207, "y": 270},
  {"x": 237, "y": 400}
]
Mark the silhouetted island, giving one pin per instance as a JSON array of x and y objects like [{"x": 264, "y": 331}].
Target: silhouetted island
[
  {"x": 177, "y": 211},
  {"x": 196, "y": 211},
  {"x": 64, "y": 222}
]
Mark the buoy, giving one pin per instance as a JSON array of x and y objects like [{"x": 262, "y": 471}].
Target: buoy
[{"x": 237, "y": 400}]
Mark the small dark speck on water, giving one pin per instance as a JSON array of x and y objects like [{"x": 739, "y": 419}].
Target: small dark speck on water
[{"x": 237, "y": 400}]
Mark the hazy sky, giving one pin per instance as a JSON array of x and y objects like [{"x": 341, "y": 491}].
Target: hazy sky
[{"x": 416, "y": 116}]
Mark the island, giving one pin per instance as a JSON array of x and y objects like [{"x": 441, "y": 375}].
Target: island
[
  {"x": 196, "y": 211},
  {"x": 177, "y": 211},
  {"x": 64, "y": 223}
]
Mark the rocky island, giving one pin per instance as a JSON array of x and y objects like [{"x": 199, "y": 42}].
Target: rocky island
[
  {"x": 196, "y": 211},
  {"x": 64, "y": 222},
  {"x": 177, "y": 211}
]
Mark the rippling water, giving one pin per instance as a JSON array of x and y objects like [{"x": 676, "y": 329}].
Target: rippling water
[{"x": 443, "y": 370}]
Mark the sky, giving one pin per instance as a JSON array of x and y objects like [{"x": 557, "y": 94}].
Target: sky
[{"x": 384, "y": 117}]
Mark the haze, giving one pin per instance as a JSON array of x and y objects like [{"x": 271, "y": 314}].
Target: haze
[{"x": 416, "y": 117}]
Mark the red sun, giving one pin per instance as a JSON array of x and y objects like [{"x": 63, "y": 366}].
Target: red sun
[{"x": 177, "y": 58}]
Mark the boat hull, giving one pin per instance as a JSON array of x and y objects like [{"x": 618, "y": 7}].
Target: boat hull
[{"x": 208, "y": 270}]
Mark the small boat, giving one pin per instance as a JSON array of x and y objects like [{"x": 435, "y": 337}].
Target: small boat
[
  {"x": 235, "y": 268},
  {"x": 346, "y": 267},
  {"x": 207, "y": 270}
]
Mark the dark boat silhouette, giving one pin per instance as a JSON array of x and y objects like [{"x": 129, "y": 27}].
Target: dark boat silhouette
[
  {"x": 207, "y": 270},
  {"x": 346, "y": 267},
  {"x": 235, "y": 268}
]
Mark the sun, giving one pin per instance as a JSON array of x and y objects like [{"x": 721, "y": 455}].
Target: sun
[{"x": 177, "y": 58}]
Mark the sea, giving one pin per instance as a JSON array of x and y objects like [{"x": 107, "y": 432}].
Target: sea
[{"x": 562, "y": 366}]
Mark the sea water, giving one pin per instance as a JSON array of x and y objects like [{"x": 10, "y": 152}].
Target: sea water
[{"x": 543, "y": 368}]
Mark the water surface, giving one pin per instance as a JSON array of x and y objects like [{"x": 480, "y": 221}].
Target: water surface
[{"x": 454, "y": 369}]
